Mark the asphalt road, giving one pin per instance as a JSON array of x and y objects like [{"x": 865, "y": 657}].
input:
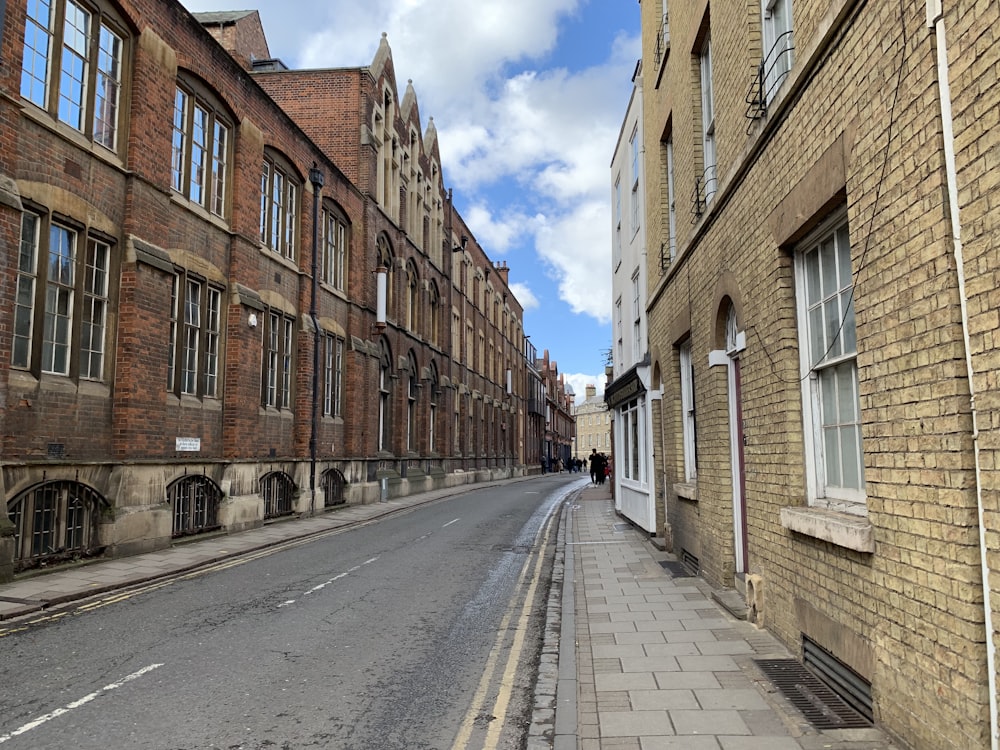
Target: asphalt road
[{"x": 405, "y": 633}]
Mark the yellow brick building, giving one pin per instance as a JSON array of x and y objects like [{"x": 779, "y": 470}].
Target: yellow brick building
[
  {"x": 593, "y": 425},
  {"x": 824, "y": 320}
]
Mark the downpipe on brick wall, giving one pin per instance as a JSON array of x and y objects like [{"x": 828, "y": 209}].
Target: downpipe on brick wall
[{"x": 935, "y": 21}]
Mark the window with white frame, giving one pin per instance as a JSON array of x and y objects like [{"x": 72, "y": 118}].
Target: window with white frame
[
  {"x": 778, "y": 44},
  {"x": 195, "y": 330},
  {"x": 412, "y": 297},
  {"x": 636, "y": 319},
  {"x": 279, "y": 207},
  {"x": 72, "y": 65},
  {"x": 671, "y": 198},
  {"x": 709, "y": 181},
  {"x": 333, "y": 243},
  {"x": 634, "y": 148},
  {"x": 278, "y": 349},
  {"x": 828, "y": 346},
  {"x": 200, "y": 150},
  {"x": 60, "y": 321},
  {"x": 688, "y": 431},
  {"x": 633, "y": 437},
  {"x": 617, "y": 248},
  {"x": 620, "y": 331}
]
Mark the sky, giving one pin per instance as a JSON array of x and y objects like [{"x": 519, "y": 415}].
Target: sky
[{"x": 528, "y": 98}]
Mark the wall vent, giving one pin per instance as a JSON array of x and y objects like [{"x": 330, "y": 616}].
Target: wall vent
[{"x": 854, "y": 689}]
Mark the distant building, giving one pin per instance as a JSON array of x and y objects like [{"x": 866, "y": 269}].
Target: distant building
[{"x": 593, "y": 424}]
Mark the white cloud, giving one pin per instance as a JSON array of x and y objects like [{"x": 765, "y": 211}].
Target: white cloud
[
  {"x": 504, "y": 117},
  {"x": 576, "y": 247},
  {"x": 579, "y": 382},
  {"x": 524, "y": 295}
]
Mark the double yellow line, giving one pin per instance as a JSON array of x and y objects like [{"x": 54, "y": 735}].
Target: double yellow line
[{"x": 499, "y": 708}]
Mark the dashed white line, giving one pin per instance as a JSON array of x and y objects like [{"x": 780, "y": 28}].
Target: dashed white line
[
  {"x": 76, "y": 704},
  {"x": 337, "y": 577},
  {"x": 449, "y": 523}
]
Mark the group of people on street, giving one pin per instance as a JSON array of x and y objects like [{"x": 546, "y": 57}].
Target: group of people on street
[{"x": 600, "y": 467}]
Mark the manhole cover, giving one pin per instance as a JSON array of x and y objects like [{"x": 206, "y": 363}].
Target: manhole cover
[{"x": 821, "y": 707}]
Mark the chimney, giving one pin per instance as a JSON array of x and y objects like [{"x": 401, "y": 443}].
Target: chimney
[
  {"x": 591, "y": 391},
  {"x": 503, "y": 270}
]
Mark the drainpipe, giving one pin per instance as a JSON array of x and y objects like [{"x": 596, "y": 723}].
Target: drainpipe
[
  {"x": 316, "y": 178},
  {"x": 935, "y": 20}
]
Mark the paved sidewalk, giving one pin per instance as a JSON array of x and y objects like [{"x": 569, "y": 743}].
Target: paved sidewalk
[{"x": 651, "y": 662}]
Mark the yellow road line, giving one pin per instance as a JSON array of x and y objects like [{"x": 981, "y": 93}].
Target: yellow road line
[{"x": 464, "y": 735}]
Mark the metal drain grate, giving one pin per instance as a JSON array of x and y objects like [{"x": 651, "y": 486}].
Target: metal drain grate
[
  {"x": 676, "y": 569},
  {"x": 821, "y": 707}
]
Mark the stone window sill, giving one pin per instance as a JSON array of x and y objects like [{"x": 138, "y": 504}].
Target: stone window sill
[
  {"x": 843, "y": 529},
  {"x": 686, "y": 490}
]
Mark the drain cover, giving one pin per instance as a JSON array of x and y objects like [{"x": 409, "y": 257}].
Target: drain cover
[
  {"x": 821, "y": 707},
  {"x": 676, "y": 569},
  {"x": 621, "y": 527}
]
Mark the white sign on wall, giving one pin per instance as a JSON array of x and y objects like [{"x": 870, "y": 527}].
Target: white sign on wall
[{"x": 188, "y": 444}]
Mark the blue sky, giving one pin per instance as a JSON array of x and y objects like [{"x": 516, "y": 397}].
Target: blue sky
[{"x": 528, "y": 97}]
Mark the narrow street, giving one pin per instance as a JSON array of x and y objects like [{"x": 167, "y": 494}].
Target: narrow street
[{"x": 410, "y": 632}]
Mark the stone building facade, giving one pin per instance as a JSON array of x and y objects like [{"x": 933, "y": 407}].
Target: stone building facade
[
  {"x": 823, "y": 329},
  {"x": 593, "y": 424},
  {"x": 193, "y": 337}
]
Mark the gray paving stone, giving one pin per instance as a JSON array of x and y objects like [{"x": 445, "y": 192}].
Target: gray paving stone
[
  {"x": 720, "y": 663},
  {"x": 625, "y": 681},
  {"x": 635, "y": 723},
  {"x": 679, "y": 743},
  {"x": 662, "y": 700},
  {"x": 708, "y": 722},
  {"x": 739, "y": 700}
]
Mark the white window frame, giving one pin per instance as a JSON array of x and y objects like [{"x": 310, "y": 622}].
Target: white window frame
[
  {"x": 636, "y": 318},
  {"x": 279, "y": 197},
  {"x": 195, "y": 334},
  {"x": 671, "y": 200},
  {"x": 688, "y": 422},
  {"x": 634, "y": 147},
  {"x": 617, "y": 248},
  {"x": 828, "y": 357},
  {"x": 776, "y": 21},
  {"x": 707, "y": 120}
]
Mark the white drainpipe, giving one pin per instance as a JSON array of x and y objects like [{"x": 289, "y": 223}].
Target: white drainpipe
[{"x": 935, "y": 20}]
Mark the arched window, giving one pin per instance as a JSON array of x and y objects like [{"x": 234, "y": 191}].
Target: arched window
[
  {"x": 433, "y": 387},
  {"x": 195, "y": 503},
  {"x": 72, "y": 65},
  {"x": 278, "y": 491},
  {"x": 335, "y": 237},
  {"x": 279, "y": 205},
  {"x": 385, "y": 259},
  {"x": 384, "y": 395},
  {"x": 412, "y": 387},
  {"x": 333, "y": 488},
  {"x": 412, "y": 297},
  {"x": 202, "y": 147},
  {"x": 434, "y": 317},
  {"x": 55, "y": 521}
]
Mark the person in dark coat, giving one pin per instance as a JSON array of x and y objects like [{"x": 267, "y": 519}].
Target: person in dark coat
[{"x": 595, "y": 461}]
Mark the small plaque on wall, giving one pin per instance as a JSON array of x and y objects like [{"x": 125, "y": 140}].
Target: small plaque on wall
[{"x": 188, "y": 444}]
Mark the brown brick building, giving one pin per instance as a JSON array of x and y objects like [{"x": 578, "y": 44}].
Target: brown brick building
[
  {"x": 177, "y": 354},
  {"x": 823, "y": 317}
]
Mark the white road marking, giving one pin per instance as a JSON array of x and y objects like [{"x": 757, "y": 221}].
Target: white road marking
[
  {"x": 76, "y": 704},
  {"x": 450, "y": 523},
  {"x": 323, "y": 585}
]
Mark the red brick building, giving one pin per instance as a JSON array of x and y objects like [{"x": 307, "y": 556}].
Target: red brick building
[{"x": 190, "y": 338}]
